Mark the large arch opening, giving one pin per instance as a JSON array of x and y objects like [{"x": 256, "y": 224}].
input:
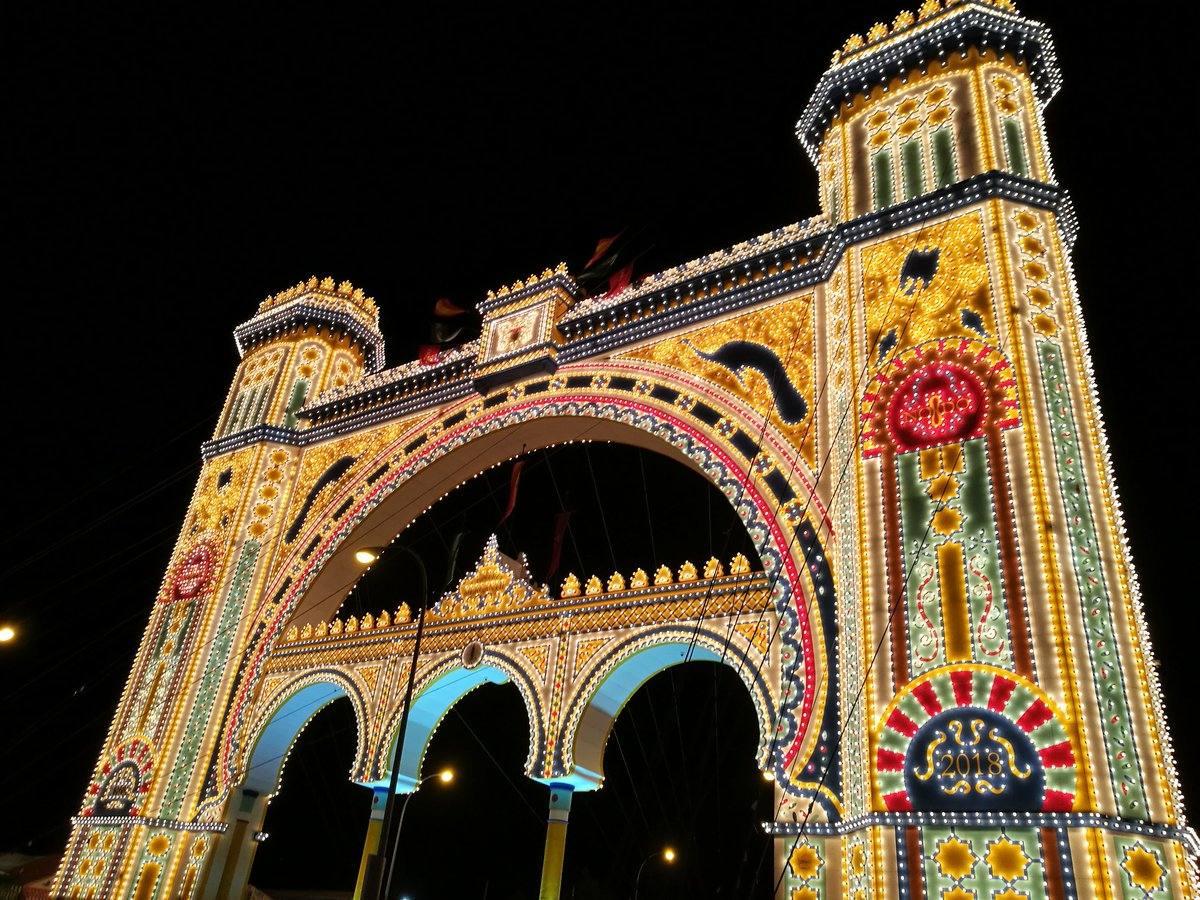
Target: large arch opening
[
  {"x": 720, "y": 441},
  {"x": 624, "y": 508}
]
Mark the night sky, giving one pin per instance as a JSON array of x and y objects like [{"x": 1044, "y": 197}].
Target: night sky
[{"x": 167, "y": 169}]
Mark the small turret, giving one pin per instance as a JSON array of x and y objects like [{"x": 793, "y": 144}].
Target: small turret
[
  {"x": 939, "y": 96},
  {"x": 310, "y": 338}
]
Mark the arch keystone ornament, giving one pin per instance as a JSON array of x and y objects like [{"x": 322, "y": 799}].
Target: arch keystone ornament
[{"x": 940, "y": 630}]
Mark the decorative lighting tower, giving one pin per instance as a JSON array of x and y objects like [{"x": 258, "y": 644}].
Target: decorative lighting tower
[
  {"x": 1002, "y": 732},
  {"x": 137, "y": 833}
]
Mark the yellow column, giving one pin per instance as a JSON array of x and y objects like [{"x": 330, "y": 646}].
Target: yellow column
[
  {"x": 229, "y": 870},
  {"x": 379, "y": 797},
  {"x": 556, "y": 841}
]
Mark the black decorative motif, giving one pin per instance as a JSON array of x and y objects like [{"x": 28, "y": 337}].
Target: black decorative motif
[
  {"x": 737, "y": 356},
  {"x": 919, "y": 265},
  {"x": 332, "y": 474},
  {"x": 887, "y": 344},
  {"x": 974, "y": 321}
]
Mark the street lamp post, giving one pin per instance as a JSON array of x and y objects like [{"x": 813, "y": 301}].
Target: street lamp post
[
  {"x": 381, "y": 865},
  {"x": 668, "y": 855},
  {"x": 445, "y": 776}
]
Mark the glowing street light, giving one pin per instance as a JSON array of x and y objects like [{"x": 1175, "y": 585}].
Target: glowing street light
[
  {"x": 445, "y": 777},
  {"x": 7, "y": 633},
  {"x": 668, "y": 855},
  {"x": 364, "y": 556}
]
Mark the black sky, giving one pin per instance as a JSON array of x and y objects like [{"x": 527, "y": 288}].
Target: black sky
[{"x": 166, "y": 169}]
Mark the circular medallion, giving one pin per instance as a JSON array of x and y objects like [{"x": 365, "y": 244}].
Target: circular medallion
[
  {"x": 938, "y": 404},
  {"x": 472, "y": 655},
  {"x": 191, "y": 576}
]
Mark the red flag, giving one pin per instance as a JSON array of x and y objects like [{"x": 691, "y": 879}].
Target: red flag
[
  {"x": 428, "y": 354},
  {"x": 447, "y": 308},
  {"x": 513, "y": 481},
  {"x": 602, "y": 247},
  {"x": 619, "y": 280},
  {"x": 560, "y": 529}
]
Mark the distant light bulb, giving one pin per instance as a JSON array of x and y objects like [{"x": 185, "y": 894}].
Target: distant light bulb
[
  {"x": 669, "y": 855},
  {"x": 446, "y": 775},
  {"x": 364, "y": 556},
  {"x": 7, "y": 634}
]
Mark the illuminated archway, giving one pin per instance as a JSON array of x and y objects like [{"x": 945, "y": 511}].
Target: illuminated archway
[{"x": 616, "y": 677}]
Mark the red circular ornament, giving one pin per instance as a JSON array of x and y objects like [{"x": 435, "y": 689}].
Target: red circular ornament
[
  {"x": 939, "y": 404},
  {"x": 192, "y": 574}
]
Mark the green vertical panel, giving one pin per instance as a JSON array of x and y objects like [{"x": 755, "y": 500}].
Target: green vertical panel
[
  {"x": 990, "y": 627},
  {"x": 913, "y": 168},
  {"x": 989, "y": 870},
  {"x": 1139, "y": 862},
  {"x": 1014, "y": 144},
  {"x": 235, "y": 411},
  {"x": 299, "y": 392},
  {"x": 810, "y": 854},
  {"x": 246, "y": 410},
  {"x": 881, "y": 179},
  {"x": 943, "y": 157},
  {"x": 260, "y": 404},
  {"x": 923, "y": 598},
  {"x": 1109, "y": 680},
  {"x": 210, "y": 681}
]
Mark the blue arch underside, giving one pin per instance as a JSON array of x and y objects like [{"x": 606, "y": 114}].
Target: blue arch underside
[
  {"x": 262, "y": 773},
  {"x": 429, "y": 708},
  {"x": 610, "y": 698}
]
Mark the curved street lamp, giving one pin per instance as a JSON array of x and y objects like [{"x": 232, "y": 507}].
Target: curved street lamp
[
  {"x": 667, "y": 854},
  {"x": 445, "y": 777}
]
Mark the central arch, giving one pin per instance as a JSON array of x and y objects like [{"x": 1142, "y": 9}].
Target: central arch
[
  {"x": 442, "y": 686},
  {"x": 613, "y": 680},
  {"x": 643, "y": 405}
]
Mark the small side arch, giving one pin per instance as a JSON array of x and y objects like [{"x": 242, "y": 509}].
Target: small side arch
[
  {"x": 611, "y": 683},
  {"x": 292, "y": 707},
  {"x": 438, "y": 690}
]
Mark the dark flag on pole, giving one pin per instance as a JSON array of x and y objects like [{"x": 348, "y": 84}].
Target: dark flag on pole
[
  {"x": 560, "y": 529},
  {"x": 447, "y": 326},
  {"x": 445, "y": 308},
  {"x": 514, "y": 482}
]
